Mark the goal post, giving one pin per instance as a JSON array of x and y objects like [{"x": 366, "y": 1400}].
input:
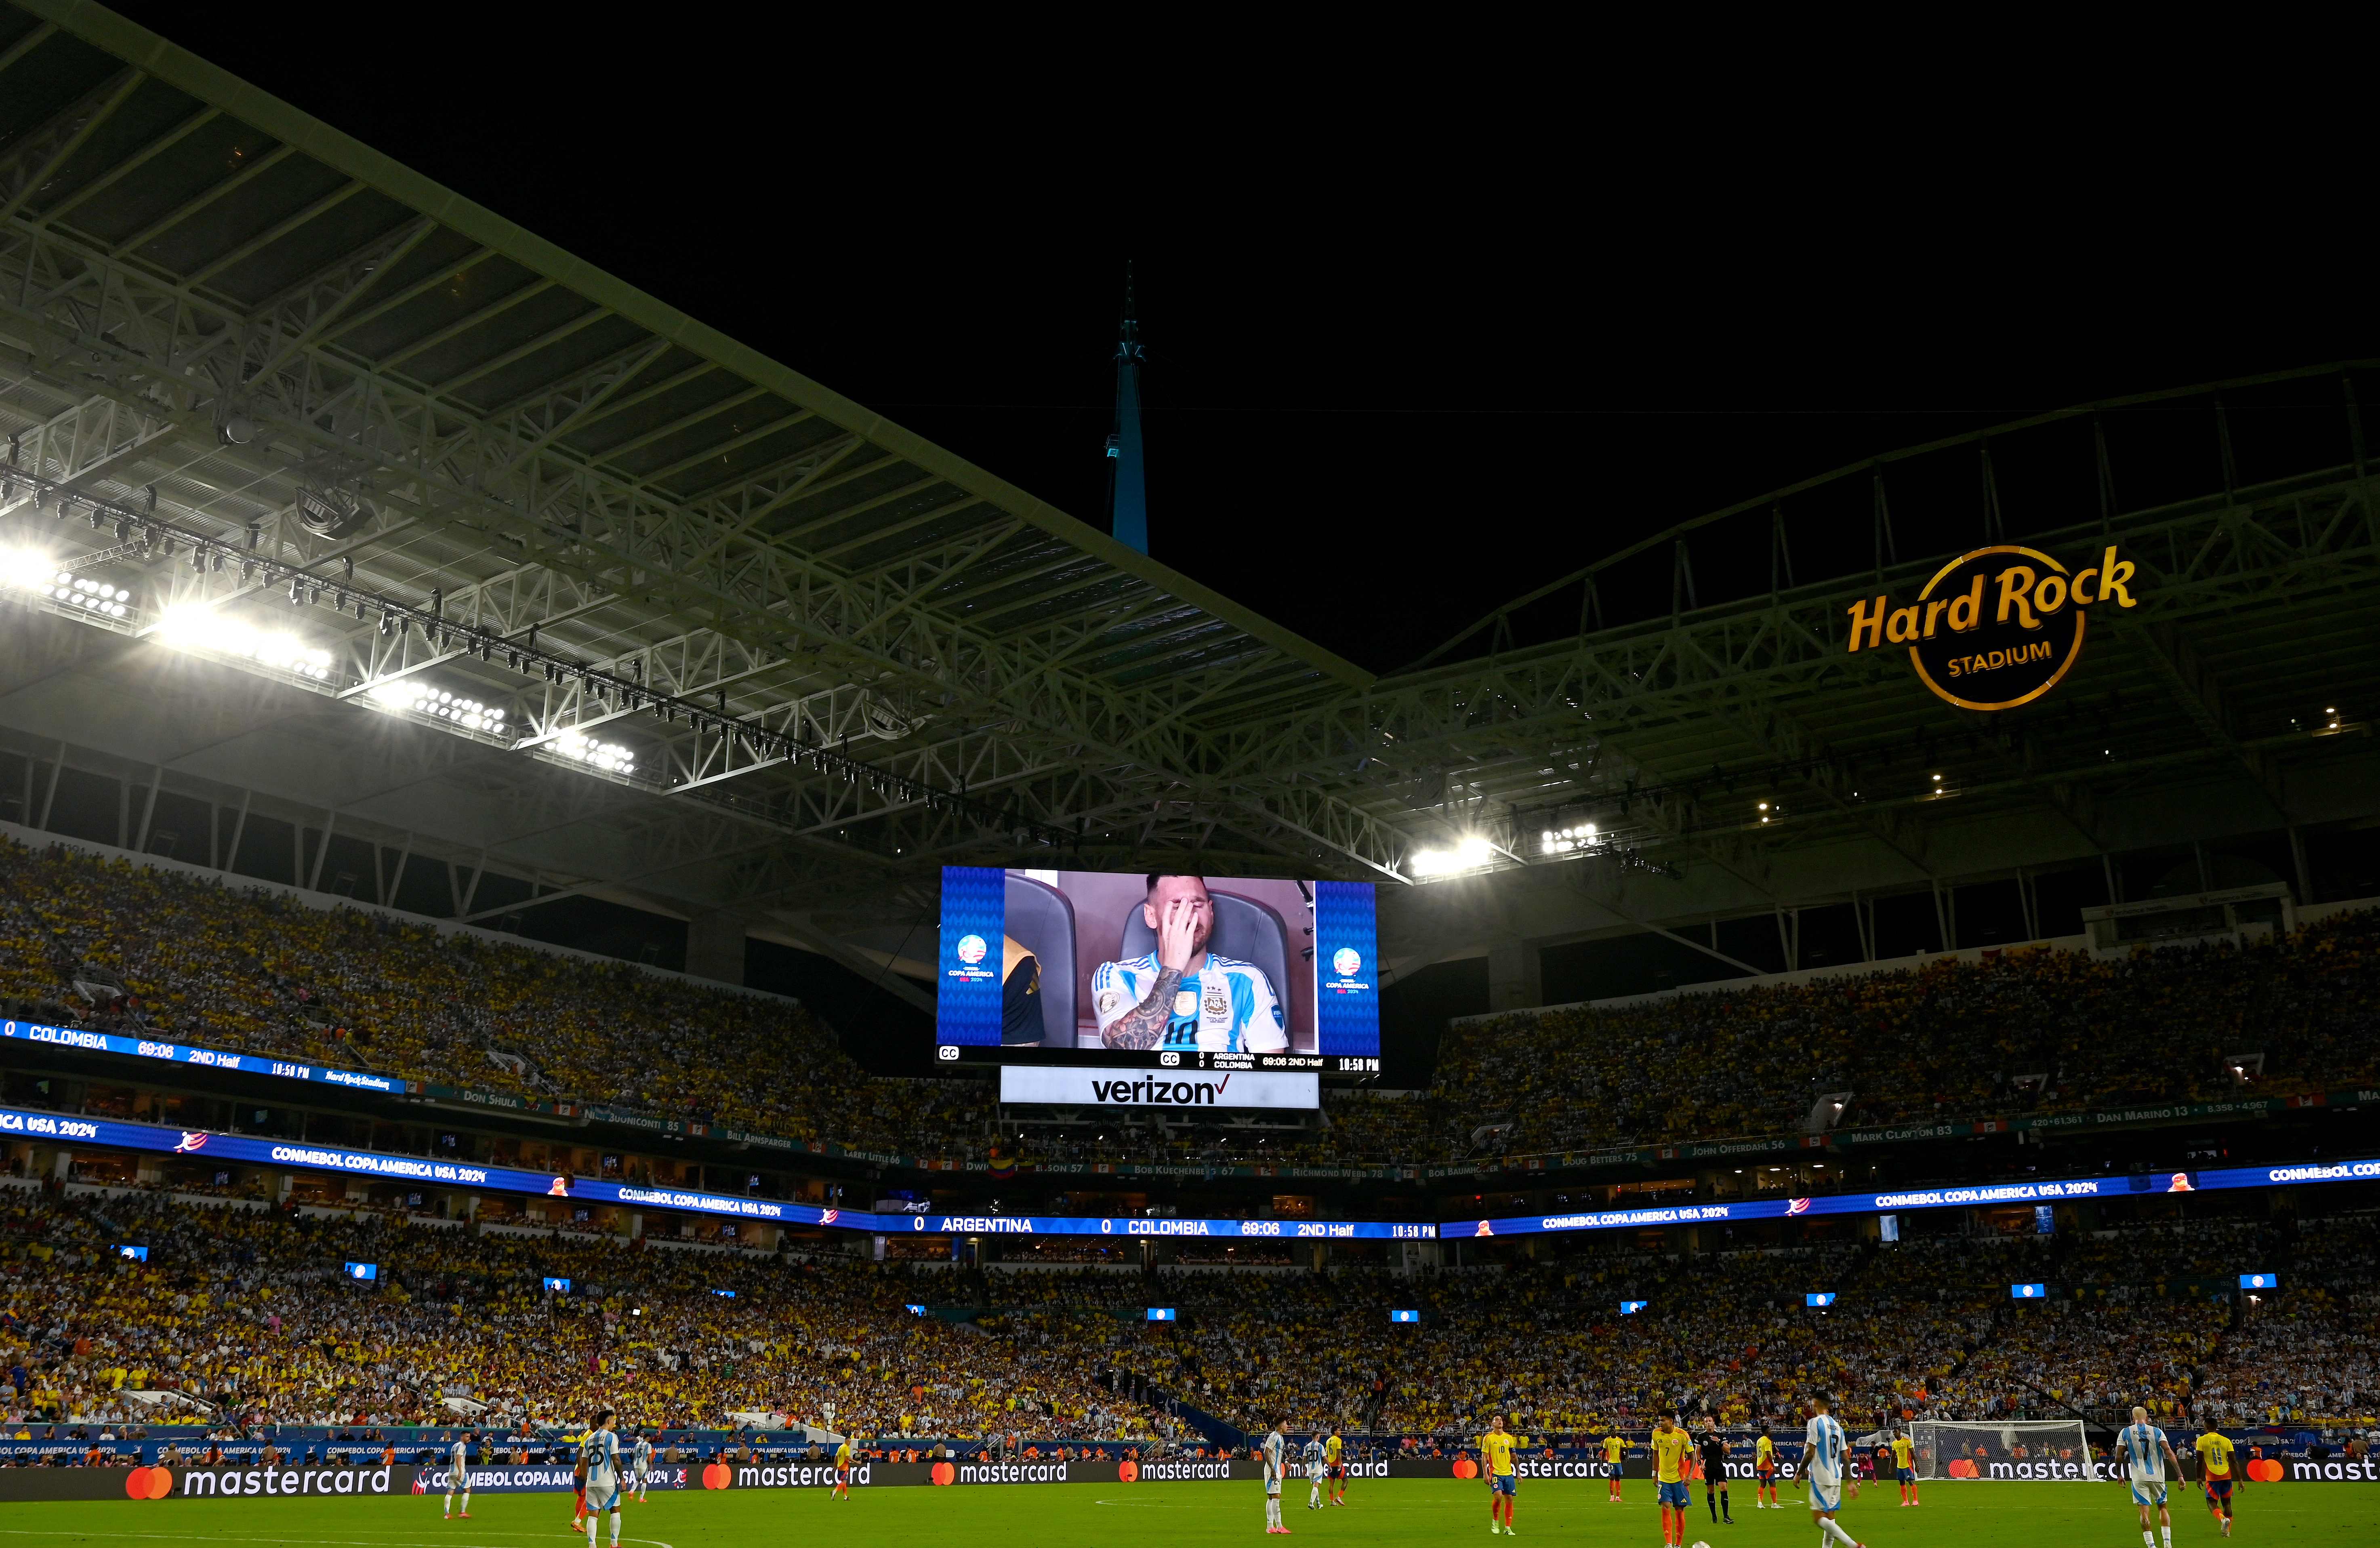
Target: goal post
[{"x": 2006, "y": 1448}]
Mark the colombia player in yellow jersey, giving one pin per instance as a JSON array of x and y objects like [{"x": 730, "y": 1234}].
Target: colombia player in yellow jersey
[
  {"x": 1763, "y": 1472},
  {"x": 1672, "y": 1446},
  {"x": 1334, "y": 1465},
  {"x": 1904, "y": 1467},
  {"x": 1496, "y": 1454},
  {"x": 2215, "y": 1471},
  {"x": 1614, "y": 1448}
]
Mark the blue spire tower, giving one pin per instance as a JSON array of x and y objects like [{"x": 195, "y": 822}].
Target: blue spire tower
[{"x": 1128, "y": 480}]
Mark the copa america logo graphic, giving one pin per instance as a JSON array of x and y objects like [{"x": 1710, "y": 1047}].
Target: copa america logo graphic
[
  {"x": 1487, "y": 1228},
  {"x": 827, "y": 1217},
  {"x": 972, "y": 949},
  {"x": 558, "y": 1188},
  {"x": 2181, "y": 1184},
  {"x": 1345, "y": 961},
  {"x": 1797, "y": 1206},
  {"x": 190, "y": 1141}
]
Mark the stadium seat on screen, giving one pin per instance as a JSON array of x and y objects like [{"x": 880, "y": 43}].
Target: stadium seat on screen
[
  {"x": 1243, "y": 929},
  {"x": 1043, "y": 920}
]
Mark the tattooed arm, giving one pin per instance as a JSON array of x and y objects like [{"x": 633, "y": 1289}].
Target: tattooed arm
[{"x": 1144, "y": 1025}]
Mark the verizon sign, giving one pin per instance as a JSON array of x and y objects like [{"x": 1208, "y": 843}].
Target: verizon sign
[{"x": 1159, "y": 1088}]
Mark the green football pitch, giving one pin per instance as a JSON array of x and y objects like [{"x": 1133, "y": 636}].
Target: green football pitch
[{"x": 1192, "y": 1515}]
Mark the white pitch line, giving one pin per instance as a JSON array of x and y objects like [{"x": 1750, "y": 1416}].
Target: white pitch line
[{"x": 312, "y": 1541}]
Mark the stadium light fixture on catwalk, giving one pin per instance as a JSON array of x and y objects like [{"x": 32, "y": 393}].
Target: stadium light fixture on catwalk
[
  {"x": 91, "y": 596},
  {"x": 440, "y": 704},
  {"x": 610, "y": 757},
  {"x": 1567, "y": 841},
  {"x": 30, "y": 570},
  {"x": 1470, "y": 854},
  {"x": 195, "y": 627}
]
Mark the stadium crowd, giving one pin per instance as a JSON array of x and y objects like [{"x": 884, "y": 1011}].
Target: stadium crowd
[
  {"x": 250, "y": 1311},
  {"x": 175, "y": 955},
  {"x": 2025, "y": 1030},
  {"x": 245, "y": 968}
]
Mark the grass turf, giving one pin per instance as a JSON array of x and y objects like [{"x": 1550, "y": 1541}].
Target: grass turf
[{"x": 1194, "y": 1515}]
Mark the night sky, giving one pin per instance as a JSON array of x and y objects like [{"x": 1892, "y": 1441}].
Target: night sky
[{"x": 1410, "y": 352}]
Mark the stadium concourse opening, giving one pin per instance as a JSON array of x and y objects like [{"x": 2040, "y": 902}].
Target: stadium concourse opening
[{"x": 550, "y": 863}]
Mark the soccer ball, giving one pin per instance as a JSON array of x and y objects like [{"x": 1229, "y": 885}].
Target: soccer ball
[{"x": 1702, "y": 1545}]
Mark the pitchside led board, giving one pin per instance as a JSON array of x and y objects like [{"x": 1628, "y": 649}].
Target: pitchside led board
[{"x": 1061, "y": 977}]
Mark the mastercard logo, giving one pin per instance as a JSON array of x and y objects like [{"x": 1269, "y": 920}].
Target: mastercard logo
[
  {"x": 1128, "y": 1471},
  {"x": 149, "y": 1484},
  {"x": 1465, "y": 1468},
  {"x": 1961, "y": 1467},
  {"x": 2264, "y": 1470},
  {"x": 944, "y": 1473},
  {"x": 716, "y": 1476}
]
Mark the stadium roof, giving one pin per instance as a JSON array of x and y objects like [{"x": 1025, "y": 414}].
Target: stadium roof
[{"x": 834, "y": 654}]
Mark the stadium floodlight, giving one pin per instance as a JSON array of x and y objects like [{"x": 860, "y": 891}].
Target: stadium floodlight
[
  {"x": 197, "y": 627},
  {"x": 406, "y": 695},
  {"x": 364, "y": 1271},
  {"x": 2260, "y": 1282},
  {"x": 1468, "y": 854},
  {"x": 1630, "y": 1308},
  {"x": 1568, "y": 840},
  {"x": 1411, "y": 1316},
  {"x": 30, "y": 570},
  {"x": 1162, "y": 1315},
  {"x": 2028, "y": 1292},
  {"x": 1820, "y": 1297},
  {"x": 63, "y": 586},
  {"x": 138, "y": 1254},
  {"x": 610, "y": 757}
]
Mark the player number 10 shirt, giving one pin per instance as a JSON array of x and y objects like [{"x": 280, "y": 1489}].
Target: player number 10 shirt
[{"x": 1227, "y": 1007}]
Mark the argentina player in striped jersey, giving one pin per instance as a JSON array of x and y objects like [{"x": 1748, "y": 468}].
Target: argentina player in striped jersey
[
  {"x": 1825, "y": 1463},
  {"x": 2145, "y": 1451},
  {"x": 1181, "y": 996}
]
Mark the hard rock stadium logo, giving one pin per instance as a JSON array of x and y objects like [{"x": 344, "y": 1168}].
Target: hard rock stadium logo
[{"x": 1996, "y": 627}]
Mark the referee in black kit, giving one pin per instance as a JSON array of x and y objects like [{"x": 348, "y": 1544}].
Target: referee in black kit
[{"x": 1713, "y": 1452}]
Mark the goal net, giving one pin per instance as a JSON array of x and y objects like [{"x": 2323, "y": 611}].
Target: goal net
[{"x": 2008, "y": 1448}]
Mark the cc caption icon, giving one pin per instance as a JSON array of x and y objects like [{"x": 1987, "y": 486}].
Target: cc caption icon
[
  {"x": 1168, "y": 1060},
  {"x": 947, "y": 1053}
]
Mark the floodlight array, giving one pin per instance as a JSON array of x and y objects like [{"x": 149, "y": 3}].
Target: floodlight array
[
  {"x": 1468, "y": 854},
  {"x": 1567, "y": 841},
  {"x": 140, "y": 530},
  {"x": 406, "y": 695},
  {"x": 195, "y": 627},
  {"x": 610, "y": 757}
]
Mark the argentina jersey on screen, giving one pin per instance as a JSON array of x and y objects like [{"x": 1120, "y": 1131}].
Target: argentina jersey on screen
[{"x": 1227, "y": 1007}]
